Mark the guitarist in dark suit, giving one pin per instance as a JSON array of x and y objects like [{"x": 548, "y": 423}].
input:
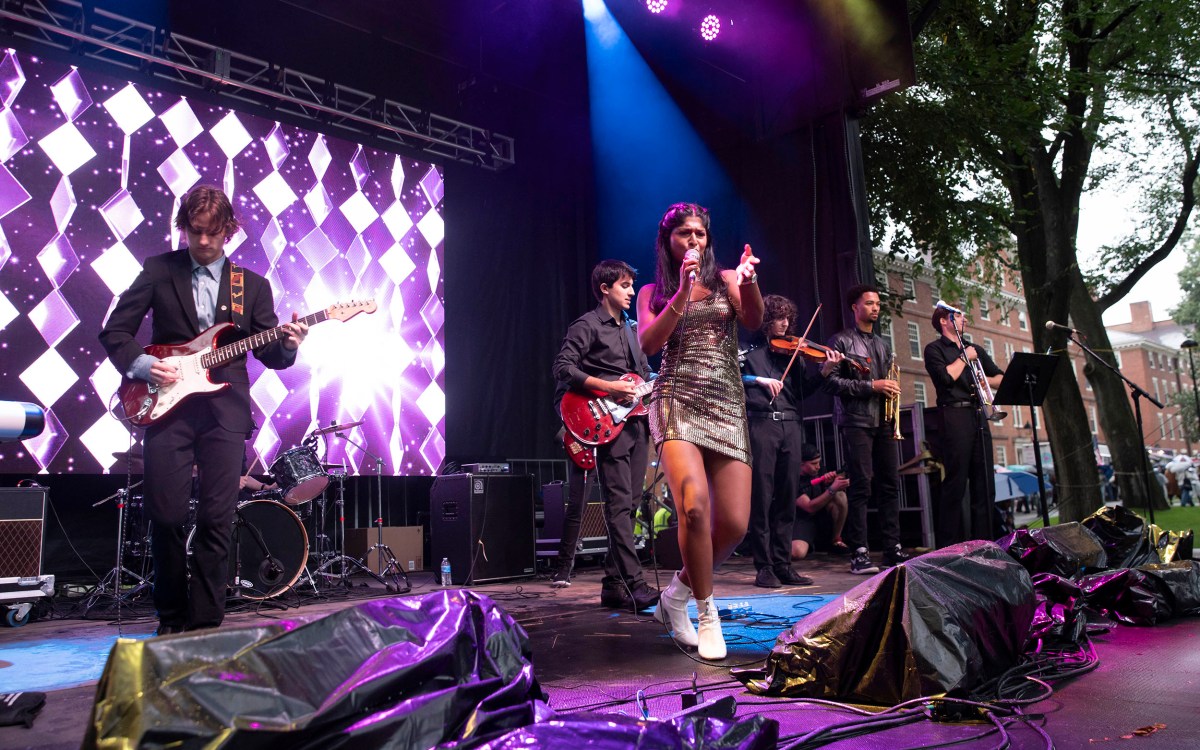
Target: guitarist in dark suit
[
  {"x": 600, "y": 347},
  {"x": 189, "y": 291}
]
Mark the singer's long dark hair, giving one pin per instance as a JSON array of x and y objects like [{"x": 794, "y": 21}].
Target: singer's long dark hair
[{"x": 666, "y": 274}]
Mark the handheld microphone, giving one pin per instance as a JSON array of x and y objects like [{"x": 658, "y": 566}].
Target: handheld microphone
[
  {"x": 692, "y": 254},
  {"x": 943, "y": 306},
  {"x": 1051, "y": 325}
]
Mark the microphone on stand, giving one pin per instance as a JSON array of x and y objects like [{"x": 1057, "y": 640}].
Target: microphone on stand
[
  {"x": 1051, "y": 325},
  {"x": 943, "y": 306},
  {"x": 692, "y": 254}
]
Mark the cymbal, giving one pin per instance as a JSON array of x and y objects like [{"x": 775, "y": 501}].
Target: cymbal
[
  {"x": 136, "y": 453},
  {"x": 332, "y": 467},
  {"x": 337, "y": 427}
]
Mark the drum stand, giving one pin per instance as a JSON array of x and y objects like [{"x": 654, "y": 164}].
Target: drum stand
[
  {"x": 110, "y": 584},
  {"x": 349, "y": 564},
  {"x": 270, "y": 563}
]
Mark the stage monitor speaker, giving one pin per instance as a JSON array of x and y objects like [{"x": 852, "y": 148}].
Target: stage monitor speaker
[
  {"x": 22, "y": 531},
  {"x": 483, "y": 524}
]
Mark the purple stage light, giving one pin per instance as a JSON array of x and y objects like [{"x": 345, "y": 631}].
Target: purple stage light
[
  {"x": 656, "y": 6},
  {"x": 710, "y": 27}
]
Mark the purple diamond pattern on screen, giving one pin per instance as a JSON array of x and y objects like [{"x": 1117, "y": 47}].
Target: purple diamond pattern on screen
[{"x": 325, "y": 220}]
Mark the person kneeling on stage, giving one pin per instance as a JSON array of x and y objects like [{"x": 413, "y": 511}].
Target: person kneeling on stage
[{"x": 818, "y": 492}]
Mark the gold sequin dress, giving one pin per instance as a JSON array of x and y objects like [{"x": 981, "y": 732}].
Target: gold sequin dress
[{"x": 698, "y": 396}]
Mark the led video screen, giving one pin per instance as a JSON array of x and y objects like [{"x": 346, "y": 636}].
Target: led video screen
[{"x": 93, "y": 168}]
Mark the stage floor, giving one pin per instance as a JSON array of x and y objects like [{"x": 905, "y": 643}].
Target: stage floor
[{"x": 595, "y": 659}]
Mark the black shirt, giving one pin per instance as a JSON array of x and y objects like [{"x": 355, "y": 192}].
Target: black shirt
[
  {"x": 803, "y": 380},
  {"x": 942, "y": 352},
  {"x": 597, "y": 345}
]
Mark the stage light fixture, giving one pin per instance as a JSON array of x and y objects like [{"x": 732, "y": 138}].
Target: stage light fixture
[
  {"x": 710, "y": 27},
  {"x": 656, "y": 6}
]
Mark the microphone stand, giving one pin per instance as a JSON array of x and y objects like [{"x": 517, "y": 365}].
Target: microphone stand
[
  {"x": 399, "y": 583},
  {"x": 1138, "y": 393}
]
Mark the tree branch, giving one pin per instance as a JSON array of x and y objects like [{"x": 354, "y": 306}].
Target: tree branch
[
  {"x": 923, "y": 17},
  {"x": 1116, "y": 22}
]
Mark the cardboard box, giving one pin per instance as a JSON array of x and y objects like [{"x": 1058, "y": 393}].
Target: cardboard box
[{"x": 406, "y": 543}]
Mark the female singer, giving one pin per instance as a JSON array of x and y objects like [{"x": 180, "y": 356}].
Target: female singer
[{"x": 698, "y": 409}]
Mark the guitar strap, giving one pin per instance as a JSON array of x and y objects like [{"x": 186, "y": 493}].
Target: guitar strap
[
  {"x": 237, "y": 295},
  {"x": 635, "y": 349}
]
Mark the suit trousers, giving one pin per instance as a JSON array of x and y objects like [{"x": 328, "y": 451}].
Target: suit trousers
[
  {"x": 191, "y": 435},
  {"x": 775, "y": 447},
  {"x": 967, "y": 456},
  {"x": 873, "y": 467}
]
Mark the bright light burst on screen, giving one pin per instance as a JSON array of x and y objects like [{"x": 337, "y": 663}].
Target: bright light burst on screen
[
  {"x": 91, "y": 175},
  {"x": 656, "y": 6},
  {"x": 710, "y": 27}
]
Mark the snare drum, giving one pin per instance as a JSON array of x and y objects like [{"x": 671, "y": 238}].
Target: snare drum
[{"x": 299, "y": 475}]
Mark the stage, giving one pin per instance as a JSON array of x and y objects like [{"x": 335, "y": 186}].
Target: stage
[{"x": 588, "y": 658}]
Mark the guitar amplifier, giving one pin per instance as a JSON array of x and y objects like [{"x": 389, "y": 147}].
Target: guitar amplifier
[
  {"x": 482, "y": 524},
  {"x": 593, "y": 534},
  {"x": 22, "y": 531}
]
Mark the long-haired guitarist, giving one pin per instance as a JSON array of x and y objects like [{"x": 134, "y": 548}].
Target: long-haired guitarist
[
  {"x": 601, "y": 347},
  {"x": 189, "y": 291}
]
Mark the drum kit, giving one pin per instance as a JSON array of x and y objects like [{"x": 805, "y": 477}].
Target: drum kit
[{"x": 270, "y": 551}]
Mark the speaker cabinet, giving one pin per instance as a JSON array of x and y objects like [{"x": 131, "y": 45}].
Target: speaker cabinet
[
  {"x": 22, "y": 530},
  {"x": 483, "y": 524},
  {"x": 593, "y": 534}
]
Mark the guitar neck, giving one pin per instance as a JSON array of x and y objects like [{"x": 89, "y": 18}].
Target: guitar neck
[{"x": 223, "y": 354}]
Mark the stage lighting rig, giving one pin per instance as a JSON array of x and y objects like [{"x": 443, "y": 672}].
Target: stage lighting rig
[
  {"x": 656, "y": 6},
  {"x": 710, "y": 27}
]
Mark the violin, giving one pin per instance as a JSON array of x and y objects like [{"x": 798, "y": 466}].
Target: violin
[{"x": 811, "y": 351}]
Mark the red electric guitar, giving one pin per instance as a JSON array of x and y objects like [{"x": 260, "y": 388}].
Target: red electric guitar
[
  {"x": 584, "y": 456},
  {"x": 596, "y": 418},
  {"x": 145, "y": 403}
]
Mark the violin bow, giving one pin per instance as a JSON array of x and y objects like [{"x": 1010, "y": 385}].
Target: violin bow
[{"x": 792, "y": 361}]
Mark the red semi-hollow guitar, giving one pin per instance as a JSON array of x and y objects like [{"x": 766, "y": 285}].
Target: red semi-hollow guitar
[
  {"x": 145, "y": 403},
  {"x": 596, "y": 418}
]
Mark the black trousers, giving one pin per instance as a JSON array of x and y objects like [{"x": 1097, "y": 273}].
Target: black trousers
[
  {"x": 967, "y": 499},
  {"x": 191, "y": 435},
  {"x": 620, "y": 469},
  {"x": 873, "y": 467},
  {"x": 775, "y": 447}
]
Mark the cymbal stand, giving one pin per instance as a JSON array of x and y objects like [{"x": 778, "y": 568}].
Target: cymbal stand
[
  {"x": 110, "y": 584},
  {"x": 343, "y": 563}
]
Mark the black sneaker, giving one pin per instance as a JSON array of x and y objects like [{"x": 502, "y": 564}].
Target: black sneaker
[
  {"x": 895, "y": 556},
  {"x": 860, "y": 563},
  {"x": 788, "y": 576},
  {"x": 645, "y": 596},
  {"x": 614, "y": 596},
  {"x": 561, "y": 578},
  {"x": 766, "y": 579}
]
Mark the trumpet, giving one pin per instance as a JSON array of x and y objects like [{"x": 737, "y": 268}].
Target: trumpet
[
  {"x": 891, "y": 404},
  {"x": 983, "y": 389}
]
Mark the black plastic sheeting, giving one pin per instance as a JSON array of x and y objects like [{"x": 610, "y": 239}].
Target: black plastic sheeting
[
  {"x": 1145, "y": 595},
  {"x": 940, "y": 623},
  {"x": 1064, "y": 550}
]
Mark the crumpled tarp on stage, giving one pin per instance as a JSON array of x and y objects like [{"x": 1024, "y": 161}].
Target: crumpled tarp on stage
[
  {"x": 418, "y": 671},
  {"x": 942, "y": 622}
]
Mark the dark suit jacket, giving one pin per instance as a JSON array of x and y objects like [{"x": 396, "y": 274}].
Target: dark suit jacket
[{"x": 164, "y": 287}]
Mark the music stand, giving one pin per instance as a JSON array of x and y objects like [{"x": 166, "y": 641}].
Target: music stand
[{"x": 1025, "y": 384}]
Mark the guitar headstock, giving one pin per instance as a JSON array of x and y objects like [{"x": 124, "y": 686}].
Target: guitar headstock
[{"x": 346, "y": 310}]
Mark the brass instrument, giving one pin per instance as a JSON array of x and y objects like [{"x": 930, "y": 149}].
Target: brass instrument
[
  {"x": 983, "y": 390},
  {"x": 891, "y": 404}
]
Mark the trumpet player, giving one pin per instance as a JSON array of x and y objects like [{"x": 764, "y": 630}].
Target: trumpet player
[
  {"x": 872, "y": 454},
  {"x": 954, "y": 366}
]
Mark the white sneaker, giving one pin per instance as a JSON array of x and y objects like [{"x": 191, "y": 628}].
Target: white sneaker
[
  {"x": 712, "y": 641},
  {"x": 672, "y": 611}
]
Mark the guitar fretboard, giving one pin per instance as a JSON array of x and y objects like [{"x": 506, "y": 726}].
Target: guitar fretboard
[{"x": 223, "y": 354}]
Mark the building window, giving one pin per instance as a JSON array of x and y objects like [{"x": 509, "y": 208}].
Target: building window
[
  {"x": 1157, "y": 392},
  {"x": 1017, "y": 421},
  {"x": 910, "y": 289},
  {"x": 1003, "y": 319},
  {"x": 990, "y": 347},
  {"x": 1117, "y": 356},
  {"x": 1008, "y": 352},
  {"x": 914, "y": 340},
  {"x": 1026, "y": 349},
  {"x": 1153, "y": 366},
  {"x": 919, "y": 394},
  {"x": 1095, "y": 431},
  {"x": 1022, "y": 321},
  {"x": 1002, "y": 455},
  {"x": 985, "y": 309},
  {"x": 885, "y": 330}
]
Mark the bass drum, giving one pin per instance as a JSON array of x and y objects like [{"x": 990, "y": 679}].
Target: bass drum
[{"x": 270, "y": 545}]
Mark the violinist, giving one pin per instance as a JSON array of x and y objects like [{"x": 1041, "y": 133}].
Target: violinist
[{"x": 773, "y": 408}]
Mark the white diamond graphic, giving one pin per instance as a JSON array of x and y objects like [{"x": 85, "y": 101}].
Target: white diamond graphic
[
  {"x": 180, "y": 121},
  {"x": 433, "y": 449},
  {"x": 105, "y": 437},
  {"x": 319, "y": 157},
  {"x": 433, "y": 270},
  {"x": 117, "y": 268},
  {"x": 179, "y": 173},
  {"x": 12, "y": 136},
  {"x": 62, "y": 204},
  {"x": 316, "y": 248},
  {"x": 433, "y": 187},
  {"x": 318, "y": 294},
  {"x": 358, "y": 256},
  {"x": 274, "y": 192},
  {"x": 432, "y": 403},
  {"x": 274, "y": 241},
  {"x": 396, "y": 264},
  {"x": 277, "y": 148},
  {"x": 266, "y": 443},
  {"x": 360, "y": 167},
  {"x": 433, "y": 313},
  {"x": 53, "y": 318},
  {"x": 129, "y": 109},
  {"x": 13, "y": 195},
  {"x": 49, "y": 377},
  {"x": 46, "y": 446},
  {"x": 433, "y": 357},
  {"x": 8, "y": 313},
  {"x": 268, "y": 392},
  {"x": 432, "y": 228},
  {"x": 319, "y": 203},
  {"x": 398, "y": 178},
  {"x": 397, "y": 220},
  {"x": 121, "y": 214},
  {"x": 12, "y": 78},
  {"x": 359, "y": 212},
  {"x": 105, "y": 379},
  {"x": 71, "y": 95},
  {"x": 58, "y": 259},
  {"x": 67, "y": 148},
  {"x": 395, "y": 307},
  {"x": 230, "y": 135}
]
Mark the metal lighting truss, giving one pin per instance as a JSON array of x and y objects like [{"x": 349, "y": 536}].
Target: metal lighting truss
[{"x": 116, "y": 40}]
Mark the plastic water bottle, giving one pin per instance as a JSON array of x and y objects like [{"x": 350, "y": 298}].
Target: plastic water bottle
[{"x": 447, "y": 578}]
